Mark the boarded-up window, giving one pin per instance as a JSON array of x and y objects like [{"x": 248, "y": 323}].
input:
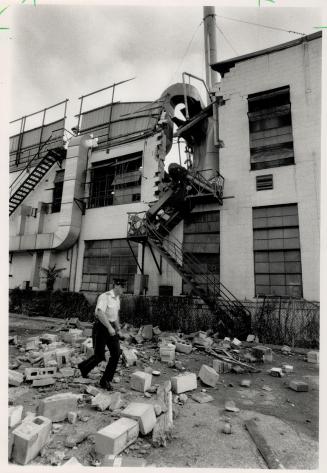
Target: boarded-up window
[
  {"x": 202, "y": 242},
  {"x": 270, "y": 123},
  {"x": 105, "y": 260},
  {"x": 277, "y": 254}
]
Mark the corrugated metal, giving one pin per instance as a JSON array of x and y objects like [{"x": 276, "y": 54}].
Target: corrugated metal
[{"x": 126, "y": 119}]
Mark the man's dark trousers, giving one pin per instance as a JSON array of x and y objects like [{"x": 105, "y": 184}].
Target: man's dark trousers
[{"x": 101, "y": 338}]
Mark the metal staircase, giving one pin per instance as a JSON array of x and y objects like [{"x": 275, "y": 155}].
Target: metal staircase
[
  {"x": 154, "y": 228},
  {"x": 22, "y": 185}
]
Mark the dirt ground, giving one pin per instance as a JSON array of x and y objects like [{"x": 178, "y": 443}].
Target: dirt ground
[{"x": 288, "y": 419}]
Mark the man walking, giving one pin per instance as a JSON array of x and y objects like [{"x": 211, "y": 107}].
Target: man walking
[{"x": 106, "y": 331}]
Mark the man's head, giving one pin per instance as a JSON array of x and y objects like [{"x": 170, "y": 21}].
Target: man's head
[{"x": 119, "y": 286}]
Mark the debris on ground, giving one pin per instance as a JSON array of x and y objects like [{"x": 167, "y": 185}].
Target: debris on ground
[{"x": 118, "y": 428}]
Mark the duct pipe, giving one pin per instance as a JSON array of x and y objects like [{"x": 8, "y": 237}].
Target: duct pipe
[{"x": 210, "y": 46}]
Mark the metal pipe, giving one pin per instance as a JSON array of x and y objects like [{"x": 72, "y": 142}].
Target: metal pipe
[
  {"x": 210, "y": 45},
  {"x": 35, "y": 113}
]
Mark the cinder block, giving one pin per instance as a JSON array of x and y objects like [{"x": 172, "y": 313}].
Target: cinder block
[
  {"x": 15, "y": 378},
  {"x": 37, "y": 383},
  {"x": 67, "y": 372},
  {"x": 260, "y": 352},
  {"x": 63, "y": 357},
  {"x": 129, "y": 357},
  {"x": 313, "y": 357},
  {"x": 29, "y": 416},
  {"x": 299, "y": 386},
  {"x": 102, "y": 401},
  {"x": 14, "y": 415},
  {"x": 221, "y": 366},
  {"x": 287, "y": 368},
  {"x": 147, "y": 332},
  {"x": 115, "y": 401},
  {"x": 277, "y": 372},
  {"x": 56, "y": 407},
  {"x": 184, "y": 347},
  {"x": 143, "y": 413},
  {"x": 49, "y": 356},
  {"x": 141, "y": 381},
  {"x": 184, "y": 382},
  {"x": 208, "y": 375},
  {"x": 30, "y": 438},
  {"x": 39, "y": 373},
  {"x": 114, "y": 438},
  {"x": 72, "y": 417},
  {"x": 49, "y": 338}
]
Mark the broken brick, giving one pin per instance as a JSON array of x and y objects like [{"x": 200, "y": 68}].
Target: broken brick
[
  {"x": 299, "y": 386},
  {"x": 15, "y": 378},
  {"x": 101, "y": 401},
  {"x": 56, "y": 407},
  {"x": 141, "y": 381},
  {"x": 29, "y": 438},
  {"x": 184, "y": 382},
  {"x": 208, "y": 376},
  {"x": 114, "y": 438},
  {"x": 14, "y": 415},
  {"x": 143, "y": 413}
]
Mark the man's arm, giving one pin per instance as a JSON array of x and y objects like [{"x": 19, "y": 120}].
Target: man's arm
[{"x": 103, "y": 319}]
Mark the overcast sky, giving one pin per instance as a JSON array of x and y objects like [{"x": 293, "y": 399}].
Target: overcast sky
[{"x": 64, "y": 51}]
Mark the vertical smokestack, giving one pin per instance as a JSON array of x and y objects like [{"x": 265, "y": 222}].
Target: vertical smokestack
[{"x": 210, "y": 45}]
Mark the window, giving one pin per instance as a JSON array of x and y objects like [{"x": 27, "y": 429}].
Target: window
[
  {"x": 116, "y": 181},
  {"x": 270, "y": 123},
  {"x": 277, "y": 255},
  {"x": 201, "y": 241},
  {"x": 57, "y": 191},
  {"x": 105, "y": 260},
  {"x": 264, "y": 182}
]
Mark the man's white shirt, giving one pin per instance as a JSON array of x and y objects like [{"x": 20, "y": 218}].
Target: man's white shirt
[{"x": 109, "y": 303}]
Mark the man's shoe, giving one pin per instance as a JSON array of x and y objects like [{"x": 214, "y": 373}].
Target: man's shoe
[
  {"x": 83, "y": 372},
  {"x": 105, "y": 385}
]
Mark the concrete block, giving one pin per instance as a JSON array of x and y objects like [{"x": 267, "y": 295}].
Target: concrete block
[
  {"x": 30, "y": 438},
  {"x": 236, "y": 342},
  {"x": 245, "y": 383},
  {"x": 15, "y": 378},
  {"x": 250, "y": 338},
  {"x": 116, "y": 401},
  {"x": 208, "y": 375},
  {"x": 141, "y": 381},
  {"x": 67, "y": 372},
  {"x": 48, "y": 338},
  {"x": 48, "y": 356},
  {"x": 63, "y": 357},
  {"x": 313, "y": 357},
  {"x": 56, "y": 407},
  {"x": 29, "y": 416},
  {"x": 39, "y": 373},
  {"x": 72, "y": 417},
  {"x": 37, "y": 383},
  {"x": 114, "y": 438},
  {"x": 129, "y": 357},
  {"x": 299, "y": 386},
  {"x": 101, "y": 401},
  {"x": 182, "y": 347},
  {"x": 260, "y": 351},
  {"x": 92, "y": 390},
  {"x": 184, "y": 382},
  {"x": 143, "y": 413},
  {"x": 287, "y": 368},
  {"x": 167, "y": 353},
  {"x": 147, "y": 332},
  {"x": 14, "y": 415},
  {"x": 221, "y": 366},
  {"x": 277, "y": 372}
]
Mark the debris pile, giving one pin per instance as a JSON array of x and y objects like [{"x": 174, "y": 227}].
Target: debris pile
[{"x": 138, "y": 414}]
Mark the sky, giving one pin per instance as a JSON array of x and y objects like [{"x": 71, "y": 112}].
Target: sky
[{"x": 65, "y": 51}]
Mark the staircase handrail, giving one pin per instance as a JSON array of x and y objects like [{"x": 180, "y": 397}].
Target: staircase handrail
[
  {"x": 29, "y": 163},
  {"x": 191, "y": 260}
]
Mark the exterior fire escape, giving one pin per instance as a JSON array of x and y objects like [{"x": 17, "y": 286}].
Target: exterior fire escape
[{"x": 153, "y": 228}]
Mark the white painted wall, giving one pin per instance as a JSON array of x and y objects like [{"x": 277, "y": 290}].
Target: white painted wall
[{"x": 300, "y": 68}]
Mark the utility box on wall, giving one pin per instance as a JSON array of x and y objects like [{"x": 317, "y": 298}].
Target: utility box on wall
[{"x": 140, "y": 283}]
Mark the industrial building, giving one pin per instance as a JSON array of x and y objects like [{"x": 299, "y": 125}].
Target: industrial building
[{"x": 240, "y": 220}]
